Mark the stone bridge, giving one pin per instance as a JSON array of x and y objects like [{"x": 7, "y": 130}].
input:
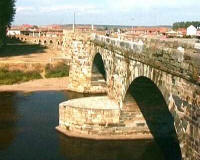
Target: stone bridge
[
  {"x": 54, "y": 42},
  {"x": 152, "y": 89}
]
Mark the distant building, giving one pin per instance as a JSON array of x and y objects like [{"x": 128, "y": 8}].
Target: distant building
[
  {"x": 13, "y": 32},
  {"x": 182, "y": 31},
  {"x": 171, "y": 34},
  {"x": 191, "y": 31},
  {"x": 198, "y": 32}
]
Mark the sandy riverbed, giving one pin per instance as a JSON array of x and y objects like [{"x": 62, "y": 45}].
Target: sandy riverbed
[{"x": 51, "y": 84}]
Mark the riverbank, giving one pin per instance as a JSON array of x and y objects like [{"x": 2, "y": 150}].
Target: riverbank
[{"x": 50, "y": 84}]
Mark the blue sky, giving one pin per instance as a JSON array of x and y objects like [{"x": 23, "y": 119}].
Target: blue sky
[{"x": 115, "y": 12}]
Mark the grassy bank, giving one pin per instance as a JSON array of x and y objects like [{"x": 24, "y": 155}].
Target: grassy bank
[
  {"x": 11, "y": 77},
  {"x": 60, "y": 70}
]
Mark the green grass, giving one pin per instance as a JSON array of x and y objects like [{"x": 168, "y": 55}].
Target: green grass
[
  {"x": 60, "y": 70},
  {"x": 11, "y": 77}
]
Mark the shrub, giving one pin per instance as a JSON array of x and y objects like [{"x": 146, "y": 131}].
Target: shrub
[
  {"x": 11, "y": 77},
  {"x": 60, "y": 70}
]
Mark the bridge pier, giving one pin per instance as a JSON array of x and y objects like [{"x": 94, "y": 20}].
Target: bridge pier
[
  {"x": 100, "y": 118},
  {"x": 81, "y": 78}
]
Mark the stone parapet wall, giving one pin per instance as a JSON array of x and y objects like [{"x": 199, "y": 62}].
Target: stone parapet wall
[{"x": 161, "y": 56}]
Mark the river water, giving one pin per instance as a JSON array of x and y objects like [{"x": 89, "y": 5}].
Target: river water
[{"x": 27, "y": 132}]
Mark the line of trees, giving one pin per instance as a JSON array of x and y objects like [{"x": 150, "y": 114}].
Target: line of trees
[
  {"x": 7, "y": 12},
  {"x": 186, "y": 24}
]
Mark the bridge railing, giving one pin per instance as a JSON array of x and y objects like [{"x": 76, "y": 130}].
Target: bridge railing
[{"x": 129, "y": 45}]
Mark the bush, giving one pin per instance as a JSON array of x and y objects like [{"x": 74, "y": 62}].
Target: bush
[
  {"x": 60, "y": 70},
  {"x": 11, "y": 77}
]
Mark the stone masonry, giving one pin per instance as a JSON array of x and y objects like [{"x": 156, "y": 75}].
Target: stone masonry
[{"x": 176, "y": 76}]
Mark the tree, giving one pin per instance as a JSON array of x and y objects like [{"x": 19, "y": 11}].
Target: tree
[
  {"x": 7, "y": 12},
  {"x": 186, "y": 24}
]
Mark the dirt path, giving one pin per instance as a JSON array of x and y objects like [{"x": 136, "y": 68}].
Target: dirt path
[
  {"x": 51, "y": 84},
  {"x": 43, "y": 57}
]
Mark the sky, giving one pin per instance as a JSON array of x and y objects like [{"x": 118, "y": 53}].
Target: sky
[{"x": 107, "y": 12}]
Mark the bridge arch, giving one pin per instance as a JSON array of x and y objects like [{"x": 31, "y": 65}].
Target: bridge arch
[
  {"x": 98, "y": 71},
  {"x": 45, "y": 42},
  {"x": 51, "y": 42},
  {"x": 98, "y": 65},
  {"x": 144, "y": 95}
]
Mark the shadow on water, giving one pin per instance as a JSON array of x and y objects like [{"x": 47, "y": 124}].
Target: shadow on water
[
  {"x": 82, "y": 149},
  {"x": 157, "y": 115},
  {"x": 8, "y": 118},
  {"x": 16, "y": 47},
  {"x": 27, "y": 131}
]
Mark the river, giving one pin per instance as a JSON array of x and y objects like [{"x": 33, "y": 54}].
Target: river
[{"x": 27, "y": 132}]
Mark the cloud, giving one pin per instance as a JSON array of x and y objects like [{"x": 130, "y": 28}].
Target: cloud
[
  {"x": 22, "y": 9},
  {"x": 127, "y": 5},
  {"x": 148, "y": 12},
  {"x": 65, "y": 8}
]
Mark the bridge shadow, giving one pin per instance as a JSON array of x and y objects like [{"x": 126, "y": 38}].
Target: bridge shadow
[
  {"x": 157, "y": 115},
  {"x": 16, "y": 47},
  {"x": 83, "y": 149}
]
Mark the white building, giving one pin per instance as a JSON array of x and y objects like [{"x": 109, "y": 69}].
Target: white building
[
  {"x": 191, "y": 31},
  {"x": 13, "y": 32}
]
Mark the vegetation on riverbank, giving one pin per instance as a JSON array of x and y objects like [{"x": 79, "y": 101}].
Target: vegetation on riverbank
[
  {"x": 60, "y": 70},
  {"x": 16, "y": 47},
  {"x": 7, "y": 12},
  {"x": 11, "y": 77}
]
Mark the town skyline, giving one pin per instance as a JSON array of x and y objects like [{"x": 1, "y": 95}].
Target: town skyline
[{"x": 106, "y": 12}]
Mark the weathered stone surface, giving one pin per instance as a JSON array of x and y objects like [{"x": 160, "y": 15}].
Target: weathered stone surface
[
  {"x": 100, "y": 116},
  {"x": 52, "y": 42},
  {"x": 162, "y": 63}
]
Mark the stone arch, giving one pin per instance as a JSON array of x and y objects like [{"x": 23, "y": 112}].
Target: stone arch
[
  {"x": 45, "y": 42},
  {"x": 136, "y": 69},
  {"x": 98, "y": 70},
  {"x": 98, "y": 65},
  {"x": 144, "y": 95},
  {"x": 51, "y": 42}
]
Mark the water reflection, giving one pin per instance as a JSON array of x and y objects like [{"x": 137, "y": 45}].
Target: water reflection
[
  {"x": 27, "y": 131},
  {"x": 8, "y": 118},
  {"x": 82, "y": 149}
]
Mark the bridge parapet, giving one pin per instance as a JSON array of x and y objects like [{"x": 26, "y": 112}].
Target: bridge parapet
[
  {"x": 133, "y": 45},
  {"x": 167, "y": 56},
  {"x": 54, "y": 42}
]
